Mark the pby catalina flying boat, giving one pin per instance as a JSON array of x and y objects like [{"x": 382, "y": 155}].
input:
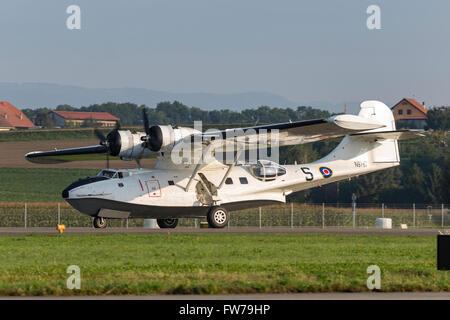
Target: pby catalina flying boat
[{"x": 211, "y": 187}]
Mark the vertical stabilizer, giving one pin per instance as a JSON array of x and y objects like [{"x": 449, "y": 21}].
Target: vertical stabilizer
[{"x": 385, "y": 150}]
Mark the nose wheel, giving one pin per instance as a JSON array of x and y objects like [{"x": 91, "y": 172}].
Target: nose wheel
[
  {"x": 99, "y": 223},
  {"x": 218, "y": 217}
]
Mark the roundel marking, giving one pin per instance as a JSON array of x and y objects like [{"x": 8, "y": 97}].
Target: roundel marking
[{"x": 326, "y": 172}]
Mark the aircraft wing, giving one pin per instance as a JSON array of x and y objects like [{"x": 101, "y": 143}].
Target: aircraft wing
[
  {"x": 290, "y": 133},
  {"x": 299, "y": 132},
  {"x": 66, "y": 155}
]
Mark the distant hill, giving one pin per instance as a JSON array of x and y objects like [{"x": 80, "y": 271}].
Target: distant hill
[{"x": 34, "y": 95}]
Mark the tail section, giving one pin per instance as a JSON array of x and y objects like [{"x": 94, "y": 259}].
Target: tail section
[
  {"x": 383, "y": 150},
  {"x": 372, "y": 148}
]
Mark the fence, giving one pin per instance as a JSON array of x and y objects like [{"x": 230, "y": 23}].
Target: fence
[{"x": 28, "y": 215}]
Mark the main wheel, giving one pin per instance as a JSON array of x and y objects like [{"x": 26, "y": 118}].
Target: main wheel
[
  {"x": 167, "y": 223},
  {"x": 99, "y": 222},
  {"x": 218, "y": 217}
]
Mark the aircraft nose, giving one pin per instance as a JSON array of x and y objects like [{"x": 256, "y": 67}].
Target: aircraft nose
[
  {"x": 65, "y": 193},
  {"x": 79, "y": 183}
]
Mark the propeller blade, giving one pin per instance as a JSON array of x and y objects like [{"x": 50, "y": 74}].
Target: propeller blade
[
  {"x": 100, "y": 135},
  {"x": 146, "y": 124}
]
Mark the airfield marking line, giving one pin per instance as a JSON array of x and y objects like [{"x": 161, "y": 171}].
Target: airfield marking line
[{"x": 235, "y": 230}]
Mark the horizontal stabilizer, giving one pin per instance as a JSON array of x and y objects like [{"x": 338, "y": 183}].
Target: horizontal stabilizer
[{"x": 357, "y": 123}]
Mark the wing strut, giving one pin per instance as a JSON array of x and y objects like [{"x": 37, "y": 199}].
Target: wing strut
[
  {"x": 198, "y": 166},
  {"x": 230, "y": 167}
]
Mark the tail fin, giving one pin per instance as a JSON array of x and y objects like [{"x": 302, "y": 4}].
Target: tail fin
[{"x": 384, "y": 149}]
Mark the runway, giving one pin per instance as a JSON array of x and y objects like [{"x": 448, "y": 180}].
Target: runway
[{"x": 231, "y": 230}]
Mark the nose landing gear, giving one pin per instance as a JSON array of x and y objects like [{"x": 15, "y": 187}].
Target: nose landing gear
[{"x": 99, "y": 223}]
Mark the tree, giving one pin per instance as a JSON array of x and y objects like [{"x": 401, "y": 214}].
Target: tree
[
  {"x": 439, "y": 118},
  {"x": 65, "y": 107},
  {"x": 445, "y": 181}
]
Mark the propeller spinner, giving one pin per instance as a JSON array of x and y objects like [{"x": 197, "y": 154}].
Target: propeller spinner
[{"x": 112, "y": 141}]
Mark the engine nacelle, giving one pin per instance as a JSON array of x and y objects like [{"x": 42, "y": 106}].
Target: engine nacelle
[
  {"x": 164, "y": 138},
  {"x": 129, "y": 146}
]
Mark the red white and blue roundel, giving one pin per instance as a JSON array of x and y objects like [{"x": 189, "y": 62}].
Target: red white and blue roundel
[{"x": 326, "y": 172}]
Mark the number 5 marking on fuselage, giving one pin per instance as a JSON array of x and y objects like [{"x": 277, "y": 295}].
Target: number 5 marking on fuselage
[{"x": 308, "y": 174}]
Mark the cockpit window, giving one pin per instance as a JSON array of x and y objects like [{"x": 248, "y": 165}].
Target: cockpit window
[
  {"x": 107, "y": 174},
  {"x": 266, "y": 170}
]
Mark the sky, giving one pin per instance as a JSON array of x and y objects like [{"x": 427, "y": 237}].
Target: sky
[{"x": 303, "y": 50}]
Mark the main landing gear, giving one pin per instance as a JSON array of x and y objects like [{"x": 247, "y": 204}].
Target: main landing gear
[
  {"x": 167, "y": 223},
  {"x": 99, "y": 222},
  {"x": 218, "y": 217}
]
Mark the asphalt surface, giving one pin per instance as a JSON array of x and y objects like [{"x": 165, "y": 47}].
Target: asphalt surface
[
  {"x": 232, "y": 230},
  {"x": 283, "y": 296}
]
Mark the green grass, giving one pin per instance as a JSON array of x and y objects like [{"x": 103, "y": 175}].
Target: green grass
[
  {"x": 38, "y": 135},
  {"x": 216, "y": 263},
  {"x": 37, "y": 184}
]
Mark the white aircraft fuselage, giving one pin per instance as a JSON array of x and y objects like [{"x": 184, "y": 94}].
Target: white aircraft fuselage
[{"x": 162, "y": 194}]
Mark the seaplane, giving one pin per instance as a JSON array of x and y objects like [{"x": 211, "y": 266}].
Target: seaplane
[{"x": 210, "y": 174}]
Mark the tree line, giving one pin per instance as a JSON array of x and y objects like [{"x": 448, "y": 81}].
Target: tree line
[{"x": 176, "y": 113}]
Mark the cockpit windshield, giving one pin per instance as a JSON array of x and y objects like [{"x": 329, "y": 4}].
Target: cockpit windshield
[
  {"x": 107, "y": 174},
  {"x": 266, "y": 170}
]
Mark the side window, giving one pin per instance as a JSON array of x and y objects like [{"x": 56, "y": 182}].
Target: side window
[
  {"x": 229, "y": 181},
  {"x": 243, "y": 180},
  {"x": 171, "y": 183},
  {"x": 120, "y": 174}
]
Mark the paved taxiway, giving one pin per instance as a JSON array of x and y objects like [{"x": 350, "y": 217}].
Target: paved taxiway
[{"x": 232, "y": 230}]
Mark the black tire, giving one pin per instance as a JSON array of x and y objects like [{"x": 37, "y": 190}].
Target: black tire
[
  {"x": 99, "y": 223},
  {"x": 167, "y": 223},
  {"x": 218, "y": 217}
]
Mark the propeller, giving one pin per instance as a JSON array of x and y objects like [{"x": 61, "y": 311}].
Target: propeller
[
  {"x": 154, "y": 138},
  {"x": 103, "y": 142},
  {"x": 112, "y": 142}
]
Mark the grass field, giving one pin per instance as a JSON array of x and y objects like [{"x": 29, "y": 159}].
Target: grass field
[
  {"x": 37, "y": 184},
  {"x": 38, "y": 135},
  {"x": 208, "y": 263}
]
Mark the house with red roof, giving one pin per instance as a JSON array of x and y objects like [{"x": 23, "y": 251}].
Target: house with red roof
[
  {"x": 13, "y": 118},
  {"x": 72, "y": 119},
  {"x": 410, "y": 113}
]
